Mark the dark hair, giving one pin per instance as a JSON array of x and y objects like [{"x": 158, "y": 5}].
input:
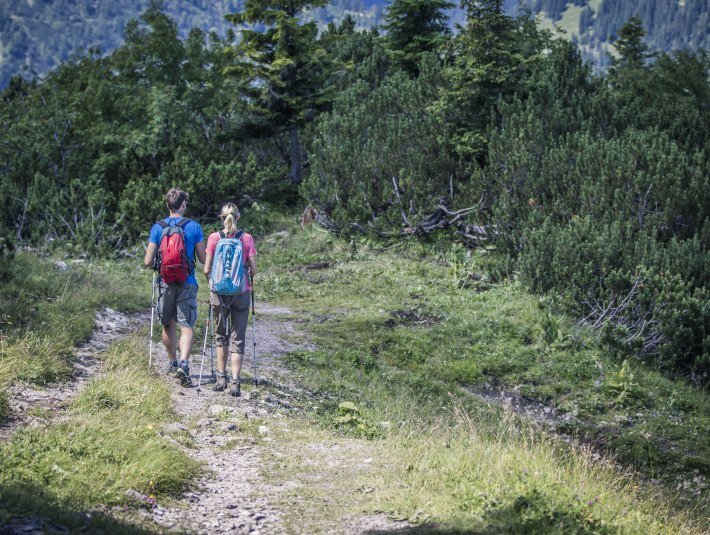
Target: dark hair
[{"x": 175, "y": 197}]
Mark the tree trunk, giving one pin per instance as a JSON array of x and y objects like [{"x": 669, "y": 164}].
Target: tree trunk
[{"x": 295, "y": 154}]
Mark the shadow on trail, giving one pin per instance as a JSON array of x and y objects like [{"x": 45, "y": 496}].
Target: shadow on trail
[
  {"x": 523, "y": 517},
  {"x": 514, "y": 528},
  {"x": 422, "y": 529},
  {"x": 27, "y": 509}
]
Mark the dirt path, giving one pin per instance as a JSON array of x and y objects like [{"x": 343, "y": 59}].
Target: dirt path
[
  {"x": 249, "y": 484},
  {"x": 109, "y": 325},
  {"x": 226, "y": 498},
  {"x": 267, "y": 469}
]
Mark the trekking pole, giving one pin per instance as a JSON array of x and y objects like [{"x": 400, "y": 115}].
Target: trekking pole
[
  {"x": 253, "y": 323},
  {"x": 212, "y": 343},
  {"x": 152, "y": 315},
  {"x": 204, "y": 350},
  {"x": 209, "y": 316}
]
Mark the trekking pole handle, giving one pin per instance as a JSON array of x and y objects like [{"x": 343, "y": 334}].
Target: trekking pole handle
[{"x": 251, "y": 281}]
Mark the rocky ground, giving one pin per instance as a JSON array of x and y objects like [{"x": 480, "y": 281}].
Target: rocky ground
[
  {"x": 226, "y": 498},
  {"x": 236, "y": 438}
]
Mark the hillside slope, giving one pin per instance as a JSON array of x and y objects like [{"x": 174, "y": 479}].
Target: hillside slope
[{"x": 670, "y": 25}]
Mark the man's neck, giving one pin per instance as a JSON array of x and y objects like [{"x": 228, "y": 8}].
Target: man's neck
[{"x": 175, "y": 214}]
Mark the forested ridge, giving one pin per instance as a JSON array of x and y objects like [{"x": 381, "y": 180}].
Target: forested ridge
[
  {"x": 594, "y": 24},
  {"x": 37, "y": 35}
]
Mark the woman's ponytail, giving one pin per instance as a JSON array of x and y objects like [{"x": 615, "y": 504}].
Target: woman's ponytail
[{"x": 229, "y": 215}]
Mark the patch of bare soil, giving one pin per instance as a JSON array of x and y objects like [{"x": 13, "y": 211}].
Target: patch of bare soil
[
  {"x": 413, "y": 316},
  {"x": 109, "y": 326},
  {"x": 313, "y": 266},
  {"x": 550, "y": 419},
  {"x": 530, "y": 409}
]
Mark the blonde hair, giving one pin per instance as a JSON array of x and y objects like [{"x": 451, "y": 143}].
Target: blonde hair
[{"x": 229, "y": 215}]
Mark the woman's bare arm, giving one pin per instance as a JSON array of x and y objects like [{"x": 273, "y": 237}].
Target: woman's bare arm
[{"x": 208, "y": 265}]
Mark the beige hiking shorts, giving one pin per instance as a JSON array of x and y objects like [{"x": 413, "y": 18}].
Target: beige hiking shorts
[{"x": 177, "y": 302}]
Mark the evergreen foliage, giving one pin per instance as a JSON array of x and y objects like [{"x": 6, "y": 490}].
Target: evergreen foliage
[
  {"x": 593, "y": 188},
  {"x": 611, "y": 214},
  {"x": 89, "y": 153},
  {"x": 595, "y": 24},
  {"x": 380, "y": 157},
  {"x": 487, "y": 61},
  {"x": 630, "y": 45},
  {"x": 354, "y": 56},
  {"x": 415, "y": 27},
  {"x": 37, "y": 36},
  {"x": 281, "y": 68}
]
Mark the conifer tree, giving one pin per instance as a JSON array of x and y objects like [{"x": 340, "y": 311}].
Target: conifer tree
[
  {"x": 630, "y": 45},
  {"x": 282, "y": 67},
  {"x": 629, "y": 74},
  {"x": 415, "y": 27},
  {"x": 488, "y": 60}
]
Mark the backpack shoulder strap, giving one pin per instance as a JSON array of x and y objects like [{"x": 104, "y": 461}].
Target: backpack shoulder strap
[
  {"x": 222, "y": 235},
  {"x": 183, "y": 223},
  {"x": 238, "y": 236},
  {"x": 162, "y": 224}
]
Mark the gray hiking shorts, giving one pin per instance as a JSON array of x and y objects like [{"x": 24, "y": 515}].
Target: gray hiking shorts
[
  {"x": 177, "y": 302},
  {"x": 232, "y": 310}
]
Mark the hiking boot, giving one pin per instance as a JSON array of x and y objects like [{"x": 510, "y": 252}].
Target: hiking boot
[
  {"x": 221, "y": 382},
  {"x": 234, "y": 388},
  {"x": 173, "y": 367},
  {"x": 183, "y": 374}
]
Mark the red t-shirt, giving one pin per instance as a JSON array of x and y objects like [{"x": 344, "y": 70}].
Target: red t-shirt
[{"x": 248, "y": 249}]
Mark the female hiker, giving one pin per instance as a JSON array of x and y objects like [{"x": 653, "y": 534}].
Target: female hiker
[{"x": 229, "y": 263}]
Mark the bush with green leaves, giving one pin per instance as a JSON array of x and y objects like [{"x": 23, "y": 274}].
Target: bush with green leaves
[
  {"x": 91, "y": 149},
  {"x": 380, "y": 156},
  {"x": 616, "y": 219}
]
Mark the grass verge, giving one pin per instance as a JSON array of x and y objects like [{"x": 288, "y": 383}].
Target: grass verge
[
  {"x": 109, "y": 442},
  {"x": 45, "y": 311},
  {"x": 402, "y": 332}
]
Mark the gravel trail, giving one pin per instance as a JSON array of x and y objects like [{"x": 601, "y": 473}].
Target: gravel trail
[
  {"x": 236, "y": 438},
  {"x": 238, "y": 441},
  {"x": 229, "y": 496}
]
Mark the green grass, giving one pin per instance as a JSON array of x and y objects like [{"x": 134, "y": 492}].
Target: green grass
[
  {"x": 107, "y": 443},
  {"x": 516, "y": 482},
  {"x": 45, "y": 312},
  {"x": 404, "y": 329},
  {"x": 80, "y": 465},
  {"x": 400, "y": 332}
]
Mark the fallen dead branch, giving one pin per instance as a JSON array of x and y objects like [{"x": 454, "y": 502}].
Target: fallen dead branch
[
  {"x": 443, "y": 217},
  {"x": 624, "y": 312}
]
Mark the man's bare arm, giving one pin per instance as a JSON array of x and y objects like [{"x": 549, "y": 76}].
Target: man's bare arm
[
  {"x": 208, "y": 265},
  {"x": 150, "y": 252},
  {"x": 200, "y": 252}
]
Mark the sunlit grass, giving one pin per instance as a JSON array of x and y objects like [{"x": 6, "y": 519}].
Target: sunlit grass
[
  {"x": 399, "y": 334},
  {"x": 108, "y": 442},
  {"x": 45, "y": 312}
]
